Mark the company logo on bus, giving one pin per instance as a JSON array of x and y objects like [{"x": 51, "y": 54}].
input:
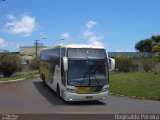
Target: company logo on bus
[{"x": 88, "y": 90}]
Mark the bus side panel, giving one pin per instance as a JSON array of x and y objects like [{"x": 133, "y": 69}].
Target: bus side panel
[
  {"x": 56, "y": 78},
  {"x": 44, "y": 70}
]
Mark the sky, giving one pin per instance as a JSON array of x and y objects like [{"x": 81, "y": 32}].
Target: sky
[{"x": 117, "y": 25}]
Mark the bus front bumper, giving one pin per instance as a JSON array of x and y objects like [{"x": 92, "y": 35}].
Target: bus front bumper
[{"x": 68, "y": 96}]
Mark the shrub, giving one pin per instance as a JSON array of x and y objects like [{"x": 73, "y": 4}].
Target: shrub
[
  {"x": 34, "y": 64},
  {"x": 9, "y": 63},
  {"x": 123, "y": 63},
  {"x": 148, "y": 62}
]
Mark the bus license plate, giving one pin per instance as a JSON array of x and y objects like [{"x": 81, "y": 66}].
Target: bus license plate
[{"x": 89, "y": 97}]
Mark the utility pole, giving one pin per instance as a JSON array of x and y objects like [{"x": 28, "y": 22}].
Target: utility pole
[{"x": 36, "y": 49}]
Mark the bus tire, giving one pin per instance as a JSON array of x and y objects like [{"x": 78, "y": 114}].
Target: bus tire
[
  {"x": 43, "y": 78},
  {"x": 58, "y": 90}
]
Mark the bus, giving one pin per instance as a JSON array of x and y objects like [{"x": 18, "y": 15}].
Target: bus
[{"x": 76, "y": 72}]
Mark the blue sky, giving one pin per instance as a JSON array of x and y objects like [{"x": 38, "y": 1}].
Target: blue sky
[{"x": 115, "y": 24}]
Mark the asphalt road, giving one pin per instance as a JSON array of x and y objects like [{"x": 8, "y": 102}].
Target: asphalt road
[{"x": 32, "y": 96}]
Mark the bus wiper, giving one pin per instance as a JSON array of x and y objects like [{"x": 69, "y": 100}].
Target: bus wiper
[
  {"x": 84, "y": 78},
  {"x": 87, "y": 73},
  {"x": 95, "y": 78},
  {"x": 93, "y": 73}
]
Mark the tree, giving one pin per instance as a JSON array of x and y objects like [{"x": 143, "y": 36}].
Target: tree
[
  {"x": 147, "y": 62},
  {"x": 156, "y": 50},
  {"x": 123, "y": 63},
  {"x": 148, "y": 44},
  {"x": 9, "y": 63},
  {"x": 156, "y": 38},
  {"x": 34, "y": 65},
  {"x": 144, "y": 45},
  {"x": 151, "y": 44}
]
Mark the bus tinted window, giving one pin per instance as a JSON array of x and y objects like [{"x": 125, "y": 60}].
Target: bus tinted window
[
  {"x": 77, "y": 53},
  {"x": 44, "y": 56},
  {"x": 86, "y": 53},
  {"x": 49, "y": 55},
  {"x": 96, "y": 53}
]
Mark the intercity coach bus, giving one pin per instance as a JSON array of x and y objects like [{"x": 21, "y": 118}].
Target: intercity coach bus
[{"x": 76, "y": 72}]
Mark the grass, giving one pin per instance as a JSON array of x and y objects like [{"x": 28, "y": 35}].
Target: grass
[
  {"x": 25, "y": 75},
  {"x": 141, "y": 85}
]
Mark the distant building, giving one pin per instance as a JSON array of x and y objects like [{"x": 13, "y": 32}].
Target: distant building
[
  {"x": 28, "y": 53},
  {"x": 137, "y": 59}
]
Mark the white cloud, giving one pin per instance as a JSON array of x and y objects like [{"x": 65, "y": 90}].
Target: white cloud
[
  {"x": 93, "y": 38},
  {"x": 11, "y": 17},
  {"x": 15, "y": 44},
  {"x": 91, "y": 24},
  {"x": 119, "y": 50},
  {"x": 87, "y": 33},
  {"x": 22, "y": 26},
  {"x": 129, "y": 49},
  {"x": 2, "y": 42},
  {"x": 65, "y": 35},
  {"x": 8, "y": 44},
  {"x": 43, "y": 36}
]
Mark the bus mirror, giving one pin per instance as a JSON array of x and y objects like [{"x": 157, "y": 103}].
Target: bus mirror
[
  {"x": 111, "y": 64},
  {"x": 65, "y": 63}
]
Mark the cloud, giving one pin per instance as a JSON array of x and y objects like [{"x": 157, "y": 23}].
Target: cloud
[
  {"x": 43, "y": 36},
  {"x": 119, "y": 51},
  {"x": 2, "y": 42},
  {"x": 11, "y": 17},
  {"x": 20, "y": 26},
  {"x": 93, "y": 38},
  {"x": 15, "y": 44},
  {"x": 65, "y": 35},
  {"x": 129, "y": 49},
  {"x": 91, "y": 24},
  {"x": 88, "y": 33}
]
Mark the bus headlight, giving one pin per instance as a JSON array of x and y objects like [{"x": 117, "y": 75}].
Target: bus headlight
[
  {"x": 71, "y": 90},
  {"x": 104, "y": 89}
]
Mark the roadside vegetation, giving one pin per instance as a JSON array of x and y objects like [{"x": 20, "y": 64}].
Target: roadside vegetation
[
  {"x": 141, "y": 85},
  {"x": 9, "y": 63},
  {"x": 123, "y": 63},
  {"x": 25, "y": 75},
  {"x": 144, "y": 84},
  {"x": 34, "y": 64},
  {"x": 152, "y": 46},
  {"x": 11, "y": 67}
]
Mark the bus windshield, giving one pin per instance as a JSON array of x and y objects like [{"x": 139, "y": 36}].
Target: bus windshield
[{"x": 87, "y": 72}]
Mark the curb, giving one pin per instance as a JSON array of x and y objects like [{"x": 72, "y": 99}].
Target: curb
[
  {"x": 21, "y": 79},
  {"x": 8, "y": 81},
  {"x": 133, "y": 97}
]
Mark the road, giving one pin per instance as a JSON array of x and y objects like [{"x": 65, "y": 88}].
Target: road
[{"x": 32, "y": 96}]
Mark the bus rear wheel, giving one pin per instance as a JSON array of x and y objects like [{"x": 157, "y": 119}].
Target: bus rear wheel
[{"x": 43, "y": 79}]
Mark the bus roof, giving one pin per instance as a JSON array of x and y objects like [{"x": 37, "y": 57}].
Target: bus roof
[{"x": 74, "y": 46}]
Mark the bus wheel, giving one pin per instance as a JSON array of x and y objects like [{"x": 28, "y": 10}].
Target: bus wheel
[
  {"x": 43, "y": 78},
  {"x": 58, "y": 90}
]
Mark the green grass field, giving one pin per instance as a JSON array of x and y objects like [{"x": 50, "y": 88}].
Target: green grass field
[
  {"x": 15, "y": 77},
  {"x": 141, "y": 85}
]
